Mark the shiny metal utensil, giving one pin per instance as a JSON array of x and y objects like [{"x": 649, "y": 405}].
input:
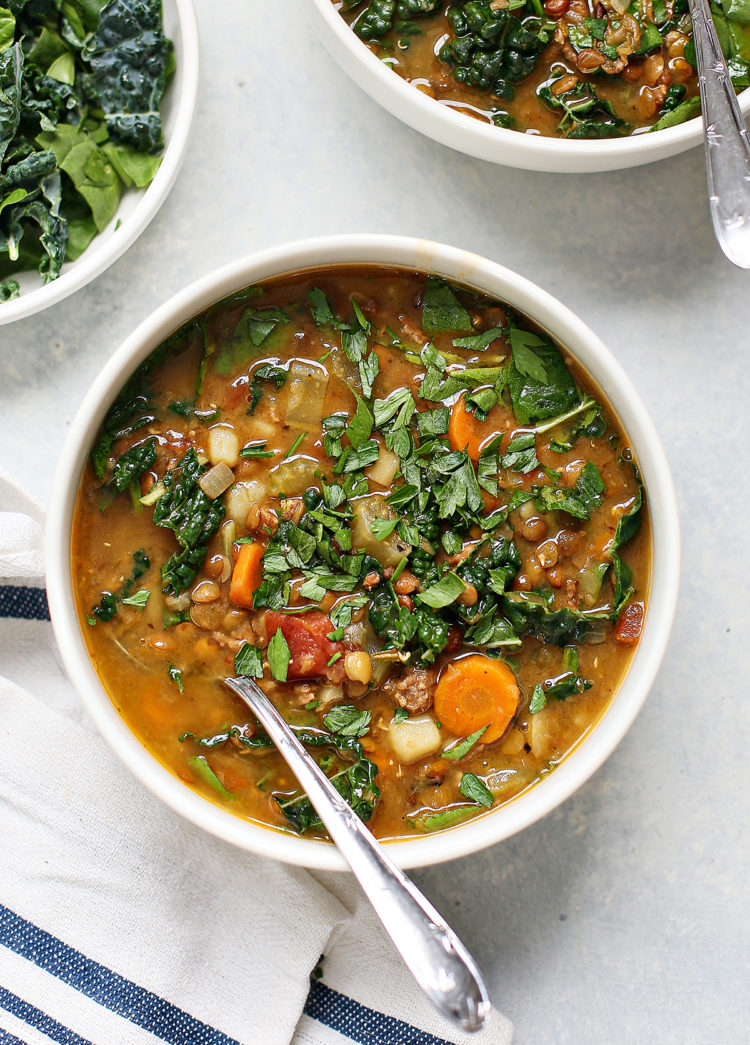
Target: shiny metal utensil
[
  {"x": 727, "y": 146},
  {"x": 437, "y": 959}
]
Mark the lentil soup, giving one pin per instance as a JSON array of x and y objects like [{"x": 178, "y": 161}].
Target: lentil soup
[
  {"x": 562, "y": 68},
  {"x": 398, "y": 505}
]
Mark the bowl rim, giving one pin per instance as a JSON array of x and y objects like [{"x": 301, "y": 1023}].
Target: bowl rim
[
  {"x": 99, "y": 256},
  {"x": 583, "y": 344},
  {"x": 496, "y": 144}
]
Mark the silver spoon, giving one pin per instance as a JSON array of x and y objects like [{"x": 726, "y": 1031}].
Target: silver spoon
[
  {"x": 437, "y": 959},
  {"x": 727, "y": 146}
]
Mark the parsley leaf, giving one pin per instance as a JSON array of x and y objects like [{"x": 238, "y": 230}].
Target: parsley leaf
[
  {"x": 521, "y": 453},
  {"x": 248, "y": 662},
  {"x": 382, "y": 528},
  {"x": 463, "y": 747},
  {"x": 278, "y": 656},
  {"x": 347, "y": 721},
  {"x": 321, "y": 310},
  {"x": 475, "y": 790},
  {"x": 442, "y": 311},
  {"x": 139, "y": 599},
  {"x": 479, "y": 342},
  {"x": 527, "y": 362},
  {"x": 360, "y": 426},
  {"x": 446, "y": 591},
  {"x": 176, "y": 676},
  {"x": 433, "y": 422}
]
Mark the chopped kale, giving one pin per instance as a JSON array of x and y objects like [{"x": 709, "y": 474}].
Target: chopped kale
[
  {"x": 80, "y": 87},
  {"x": 133, "y": 463},
  {"x": 194, "y": 519},
  {"x": 579, "y": 501}
]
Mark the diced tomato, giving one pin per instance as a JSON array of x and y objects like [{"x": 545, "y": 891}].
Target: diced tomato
[
  {"x": 630, "y": 624},
  {"x": 310, "y": 648}
]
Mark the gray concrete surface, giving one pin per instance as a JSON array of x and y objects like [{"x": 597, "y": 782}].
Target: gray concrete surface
[{"x": 623, "y": 916}]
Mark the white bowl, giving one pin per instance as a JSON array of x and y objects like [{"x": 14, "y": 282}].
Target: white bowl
[
  {"x": 498, "y": 282},
  {"x": 497, "y": 144},
  {"x": 137, "y": 206}
]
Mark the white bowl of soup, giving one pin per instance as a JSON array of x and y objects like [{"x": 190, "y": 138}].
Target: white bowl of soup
[
  {"x": 407, "y": 490},
  {"x": 567, "y": 86}
]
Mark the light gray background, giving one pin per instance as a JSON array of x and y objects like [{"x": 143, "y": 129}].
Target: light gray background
[{"x": 623, "y": 916}]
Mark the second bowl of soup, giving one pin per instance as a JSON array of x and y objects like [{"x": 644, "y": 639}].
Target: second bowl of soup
[
  {"x": 561, "y": 86},
  {"x": 396, "y": 494}
]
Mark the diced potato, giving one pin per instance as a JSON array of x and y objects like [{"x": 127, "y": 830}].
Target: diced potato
[
  {"x": 305, "y": 391},
  {"x": 293, "y": 476},
  {"x": 414, "y": 738},
  {"x": 241, "y": 496},
  {"x": 513, "y": 743},
  {"x": 389, "y": 551},
  {"x": 262, "y": 429},
  {"x": 223, "y": 445},
  {"x": 384, "y": 470}
]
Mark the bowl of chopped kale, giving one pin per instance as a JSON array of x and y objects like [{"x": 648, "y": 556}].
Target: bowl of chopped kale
[
  {"x": 566, "y": 86},
  {"x": 96, "y": 104},
  {"x": 410, "y": 493}
]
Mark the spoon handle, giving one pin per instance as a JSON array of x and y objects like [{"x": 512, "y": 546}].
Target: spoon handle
[
  {"x": 727, "y": 146},
  {"x": 437, "y": 959}
]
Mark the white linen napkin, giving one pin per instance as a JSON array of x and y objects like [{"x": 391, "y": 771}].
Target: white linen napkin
[{"x": 122, "y": 924}]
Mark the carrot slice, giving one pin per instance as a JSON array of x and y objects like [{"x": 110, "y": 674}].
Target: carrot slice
[
  {"x": 465, "y": 432},
  {"x": 247, "y": 575},
  {"x": 476, "y": 691}
]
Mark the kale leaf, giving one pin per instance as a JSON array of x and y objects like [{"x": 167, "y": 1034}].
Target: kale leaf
[
  {"x": 579, "y": 501},
  {"x": 194, "y": 519},
  {"x": 133, "y": 463},
  {"x": 128, "y": 58},
  {"x": 532, "y": 613},
  {"x": 80, "y": 84}
]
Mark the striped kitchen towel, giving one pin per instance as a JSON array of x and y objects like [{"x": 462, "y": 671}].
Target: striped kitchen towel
[{"x": 122, "y": 924}]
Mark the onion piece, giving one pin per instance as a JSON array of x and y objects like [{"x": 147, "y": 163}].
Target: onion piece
[{"x": 216, "y": 480}]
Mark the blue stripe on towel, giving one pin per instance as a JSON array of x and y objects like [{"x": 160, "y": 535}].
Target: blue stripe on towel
[
  {"x": 363, "y": 1025},
  {"x": 23, "y": 603},
  {"x": 104, "y": 986},
  {"x": 6, "y": 1038},
  {"x": 36, "y": 1018}
]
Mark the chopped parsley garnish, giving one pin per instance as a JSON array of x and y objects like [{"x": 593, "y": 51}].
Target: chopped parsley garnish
[
  {"x": 475, "y": 790},
  {"x": 138, "y": 599},
  {"x": 176, "y": 676},
  {"x": 278, "y": 656},
  {"x": 248, "y": 662}
]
